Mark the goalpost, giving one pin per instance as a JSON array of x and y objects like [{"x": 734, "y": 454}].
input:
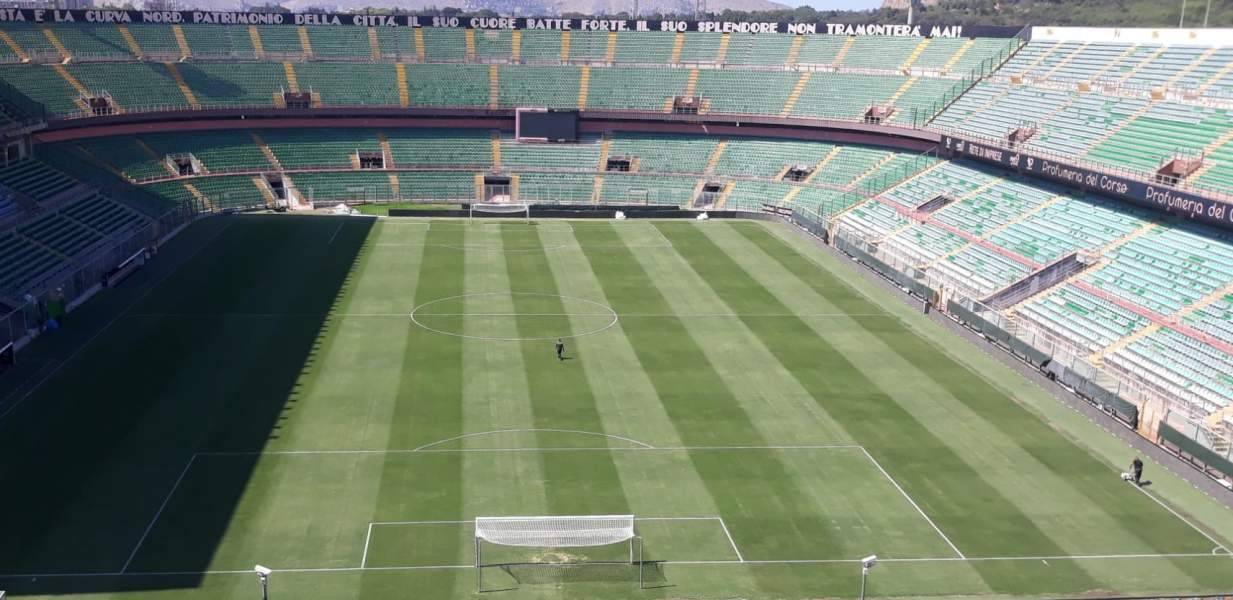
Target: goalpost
[
  {"x": 504, "y": 208},
  {"x": 556, "y": 532}
]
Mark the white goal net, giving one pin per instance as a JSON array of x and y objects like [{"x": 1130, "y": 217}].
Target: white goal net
[
  {"x": 500, "y": 208},
  {"x": 555, "y": 532},
  {"x": 552, "y": 532}
]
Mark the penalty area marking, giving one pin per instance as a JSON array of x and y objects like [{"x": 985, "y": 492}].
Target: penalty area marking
[
  {"x": 608, "y": 312},
  {"x": 1219, "y": 551}
]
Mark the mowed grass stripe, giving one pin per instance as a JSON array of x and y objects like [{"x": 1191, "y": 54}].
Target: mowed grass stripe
[
  {"x": 1131, "y": 520},
  {"x": 496, "y": 395},
  {"x": 777, "y": 406},
  {"x": 1061, "y": 512},
  {"x": 753, "y": 490},
  {"x": 1104, "y": 507},
  {"x": 981, "y": 519},
  {"x": 350, "y": 387},
  {"x": 575, "y": 483},
  {"x": 864, "y": 509},
  {"x": 428, "y": 409},
  {"x": 626, "y": 402}
]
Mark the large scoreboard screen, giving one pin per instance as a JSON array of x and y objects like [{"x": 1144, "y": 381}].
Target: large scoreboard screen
[{"x": 546, "y": 125}]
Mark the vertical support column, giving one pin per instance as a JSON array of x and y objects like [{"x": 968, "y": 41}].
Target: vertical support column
[
  {"x": 641, "y": 565},
  {"x": 479, "y": 571}
]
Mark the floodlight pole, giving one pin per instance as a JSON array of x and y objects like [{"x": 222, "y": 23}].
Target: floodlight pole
[
  {"x": 864, "y": 576},
  {"x": 265, "y": 585},
  {"x": 1182, "y": 20}
]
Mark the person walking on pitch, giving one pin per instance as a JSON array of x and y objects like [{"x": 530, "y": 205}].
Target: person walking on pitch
[{"x": 560, "y": 349}]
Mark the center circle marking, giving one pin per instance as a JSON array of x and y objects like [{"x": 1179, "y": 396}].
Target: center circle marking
[{"x": 605, "y": 311}]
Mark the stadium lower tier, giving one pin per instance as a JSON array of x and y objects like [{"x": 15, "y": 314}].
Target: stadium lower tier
[
  {"x": 970, "y": 231},
  {"x": 38, "y": 248},
  {"x": 1150, "y": 303},
  {"x": 230, "y": 169},
  {"x": 245, "y": 169}
]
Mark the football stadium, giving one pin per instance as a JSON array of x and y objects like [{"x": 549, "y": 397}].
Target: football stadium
[{"x": 383, "y": 306}]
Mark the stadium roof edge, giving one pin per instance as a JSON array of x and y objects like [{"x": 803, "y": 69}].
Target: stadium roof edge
[{"x": 1134, "y": 35}]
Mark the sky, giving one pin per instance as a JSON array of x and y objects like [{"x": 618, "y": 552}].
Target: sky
[{"x": 836, "y": 4}]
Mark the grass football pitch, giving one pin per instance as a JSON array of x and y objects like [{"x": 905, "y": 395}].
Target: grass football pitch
[{"x": 336, "y": 398}]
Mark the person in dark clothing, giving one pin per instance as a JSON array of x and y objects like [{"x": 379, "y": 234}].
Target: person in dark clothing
[
  {"x": 1136, "y": 469},
  {"x": 560, "y": 349}
]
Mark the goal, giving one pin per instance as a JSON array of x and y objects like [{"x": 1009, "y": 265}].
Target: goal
[
  {"x": 548, "y": 533},
  {"x": 500, "y": 208}
]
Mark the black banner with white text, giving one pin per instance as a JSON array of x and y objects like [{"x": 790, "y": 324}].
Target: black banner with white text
[
  {"x": 128, "y": 17},
  {"x": 1155, "y": 196}
]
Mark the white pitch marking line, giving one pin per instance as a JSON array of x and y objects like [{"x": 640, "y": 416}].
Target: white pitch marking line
[
  {"x": 408, "y": 314},
  {"x": 158, "y": 514},
  {"x": 667, "y": 562},
  {"x": 532, "y": 449},
  {"x": 534, "y": 430},
  {"x": 1183, "y": 519},
  {"x": 472, "y": 521},
  {"x": 661, "y": 235},
  {"x": 912, "y": 502},
  {"x": 508, "y": 314},
  {"x": 113, "y": 320},
  {"x": 367, "y": 538},
  {"x": 336, "y": 230},
  {"x": 730, "y": 540}
]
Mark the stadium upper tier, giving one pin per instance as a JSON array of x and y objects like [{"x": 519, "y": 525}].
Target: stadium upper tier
[
  {"x": 48, "y": 43},
  {"x": 1123, "y": 105},
  {"x": 153, "y": 67}
]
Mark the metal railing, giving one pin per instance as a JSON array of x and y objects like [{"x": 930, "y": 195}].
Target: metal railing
[
  {"x": 78, "y": 277},
  {"x": 1069, "y": 361},
  {"x": 987, "y": 67},
  {"x": 1148, "y": 177}
]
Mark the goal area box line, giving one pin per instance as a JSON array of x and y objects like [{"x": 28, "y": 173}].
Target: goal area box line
[{"x": 660, "y": 539}]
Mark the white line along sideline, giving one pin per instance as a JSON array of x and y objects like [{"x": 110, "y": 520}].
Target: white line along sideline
[
  {"x": 912, "y": 502},
  {"x": 158, "y": 514},
  {"x": 819, "y": 561},
  {"x": 1184, "y": 520},
  {"x": 730, "y": 540},
  {"x": 336, "y": 230}
]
